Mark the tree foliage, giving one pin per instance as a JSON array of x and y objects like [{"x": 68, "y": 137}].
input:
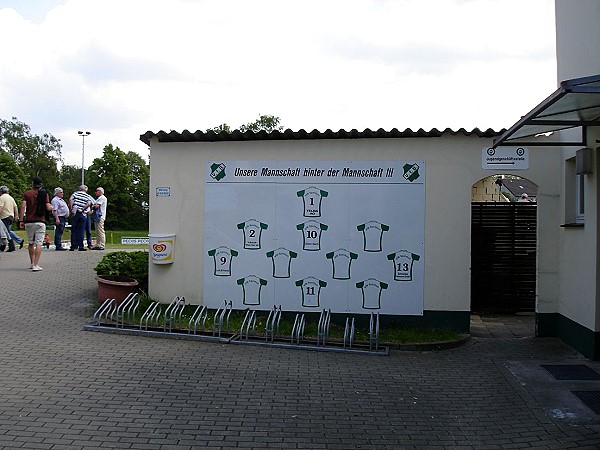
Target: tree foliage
[
  {"x": 125, "y": 178},
  {"x": 265, "y": 122},
  {"x": 12, "y": 175},
  {"x": 35, "y": 155}
]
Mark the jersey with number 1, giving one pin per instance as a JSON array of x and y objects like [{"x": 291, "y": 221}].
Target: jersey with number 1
[{"x": 312, "y": 197}]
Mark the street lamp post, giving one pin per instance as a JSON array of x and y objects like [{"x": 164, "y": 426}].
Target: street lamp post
[{"x": 83, "y": 134}]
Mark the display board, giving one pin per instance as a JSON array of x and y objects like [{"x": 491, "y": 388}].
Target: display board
[{"x": 311, "y": 235}]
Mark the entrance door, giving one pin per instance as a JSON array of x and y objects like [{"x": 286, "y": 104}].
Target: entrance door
[{"x": 503, "y": 257}]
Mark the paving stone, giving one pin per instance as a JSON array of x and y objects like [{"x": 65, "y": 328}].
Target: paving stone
[{"x": 67, "y": 388}]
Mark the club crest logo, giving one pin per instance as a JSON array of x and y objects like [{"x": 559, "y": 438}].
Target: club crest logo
[
  {"x": 217, "y": 171},
  {"x": 411, "y": 172}
]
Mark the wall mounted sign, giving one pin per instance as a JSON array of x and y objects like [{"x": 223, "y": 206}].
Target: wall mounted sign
[
  {"x": 313, "y": 235},
  {"x": 163, "y": 191},
  {"x": 505, "y": 158}
]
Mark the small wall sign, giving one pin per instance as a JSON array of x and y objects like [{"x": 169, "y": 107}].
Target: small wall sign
[
  {"x": 163, "y": 191},
  {"x": 507, "y": 158}
]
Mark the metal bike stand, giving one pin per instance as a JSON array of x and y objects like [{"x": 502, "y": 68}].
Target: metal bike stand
[{"x": 323, "y": 327}]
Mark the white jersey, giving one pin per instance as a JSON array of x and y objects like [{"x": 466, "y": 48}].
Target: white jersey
[
  {"x": 312, "y": 197},
  {"x": 311, "y": 291},
  {"x": 251, "y": 286},
  {"x": 341, "y": 259},
  {"x": 403, "y": 264},
  {"x": 372, "y": 234},
  {"x": 282, "y": 259},
  {"x": 311, "y": 234},
  {"x": 222, "y": 256},
  {"x": 252, "y": 232},
  {"x": 371, "y": 292}
]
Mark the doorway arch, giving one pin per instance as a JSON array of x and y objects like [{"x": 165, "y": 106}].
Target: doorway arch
[{"x": 503, "y": 245}]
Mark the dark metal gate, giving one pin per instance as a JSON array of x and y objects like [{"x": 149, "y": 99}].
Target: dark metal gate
[{"x": 503, "y": 257}]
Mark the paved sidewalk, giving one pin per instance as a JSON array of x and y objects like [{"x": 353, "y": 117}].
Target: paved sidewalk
[{"x": 65, "y": 388}]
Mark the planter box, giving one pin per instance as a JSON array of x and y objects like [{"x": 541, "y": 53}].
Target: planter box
[{"x": 115, "y": 287}]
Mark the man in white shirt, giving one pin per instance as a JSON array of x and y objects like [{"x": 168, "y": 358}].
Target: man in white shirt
[{"x": 100, "y": 204}]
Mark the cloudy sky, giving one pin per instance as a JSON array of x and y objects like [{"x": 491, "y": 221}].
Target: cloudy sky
[{"x": 119, "y": 68}]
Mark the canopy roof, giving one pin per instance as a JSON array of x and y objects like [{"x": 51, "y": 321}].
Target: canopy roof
[{"x": 576, "y": 103}]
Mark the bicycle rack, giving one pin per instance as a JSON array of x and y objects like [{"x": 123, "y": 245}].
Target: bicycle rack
[
  {"x": 220, "y": 313},
  {"x": 349, "y": 333},
  {"x": 248, "y": 322},
  {"x": 323, "y": 327},
  {"x": 126, "y": 310},
  {"x": 159, "y": 320},
  {"x": 298, "y": 328},
  {"x": 374, "y": 332},
  {"x": 104, "y": 309},
  {"x": 200, "y": 313},
  {"x": 273, "y": 317},
  {"x": 171, "y": 312}
]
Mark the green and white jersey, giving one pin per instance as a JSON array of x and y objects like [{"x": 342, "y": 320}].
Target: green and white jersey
[
  {"x": 222, "y": 256},
  {"x": 311, "y": 291},
  {"x": 252, "y": 286},
  {"x": 312, "y": 197},
  {"x": 311, "y": 234},
  {"x": 252, "y": 232},
  {"x": 372, "y": 234},
  {"x": 282, "y": 259},
  {"x": 371, "y": 292},
  {"x": 403, "y": 264},
  {"x": 341, "y": 259}
]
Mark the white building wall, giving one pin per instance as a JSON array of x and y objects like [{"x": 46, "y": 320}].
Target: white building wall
[
  {"x": 453, "y": 165},
  {"x": 578, "y": 55}
]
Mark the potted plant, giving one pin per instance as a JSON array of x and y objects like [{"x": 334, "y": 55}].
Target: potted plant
[{"x": 121, "y": 273}]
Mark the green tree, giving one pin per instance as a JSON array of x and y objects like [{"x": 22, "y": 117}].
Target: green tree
[
  {"x": 35, "y": 155},
  {"x": 264, "y": 122},
  {"x": 69, "y": 178},
  {"x": 12, "y": 175},
  {"x": 267, "y": 123},
  {"x": 125, "y": 179},
  {"x": 220, "y": 128}
]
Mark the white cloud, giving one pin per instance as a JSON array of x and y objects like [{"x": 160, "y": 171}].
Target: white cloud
[{"x": 119, "y": 68}]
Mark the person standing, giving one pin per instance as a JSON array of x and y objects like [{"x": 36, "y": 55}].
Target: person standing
[
  {"x": 33, "y": 211},
  {"x": 79, "y": 203},
  {"x": 88, "y": 219},
  {"x": 60, "y": 211},
  {"x": 101, "y": 203},
  {"x": 9, "y": 213}
]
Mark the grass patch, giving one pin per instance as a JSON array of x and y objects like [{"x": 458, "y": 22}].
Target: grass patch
[{"x": 113, "y": 238}]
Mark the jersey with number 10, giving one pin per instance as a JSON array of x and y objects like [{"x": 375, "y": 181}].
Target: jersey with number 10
[{"x": 311, "y": 234}]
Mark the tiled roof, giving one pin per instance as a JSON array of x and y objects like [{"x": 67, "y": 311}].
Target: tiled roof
[
  {"x": 520, "y": 186},
  {"x": 237, "y": 135}
]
